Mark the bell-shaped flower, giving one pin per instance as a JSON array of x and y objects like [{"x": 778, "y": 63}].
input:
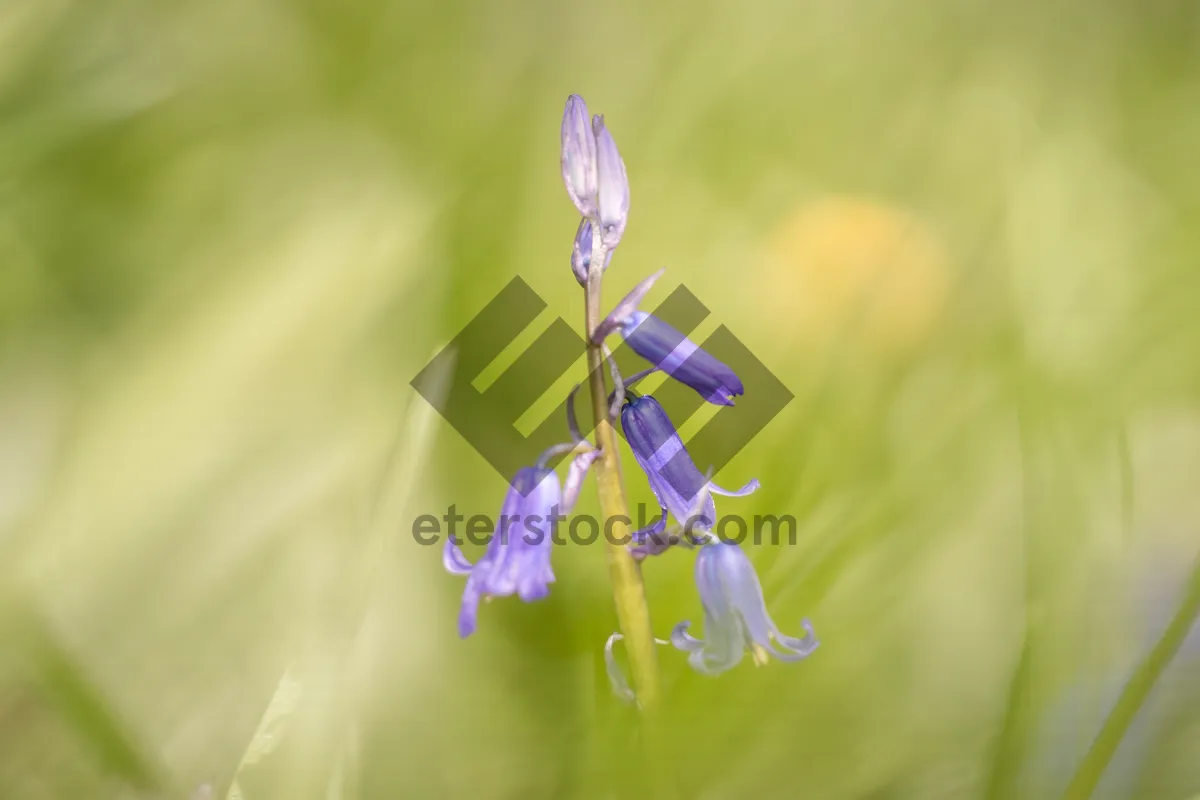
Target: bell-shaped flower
[
  {"x": 681, "y": 358},
  {"x": 678, "y": 484},
  {"x": 735, "y": 616},
  {"x": 517, "y": 559},
  {"x": 668, "y": 349}
]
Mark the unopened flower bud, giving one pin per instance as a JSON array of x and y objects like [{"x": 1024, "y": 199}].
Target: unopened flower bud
[
  {"x": 612, "y": 185},
  {"x": 581, "y": 252},
  {"x": 579, "y": 169}
]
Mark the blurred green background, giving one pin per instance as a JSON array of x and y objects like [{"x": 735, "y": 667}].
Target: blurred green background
[{"x": 964, "y": 234}]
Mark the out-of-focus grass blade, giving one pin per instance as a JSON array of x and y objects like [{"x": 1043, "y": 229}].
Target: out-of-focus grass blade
[
  {"x": 1091, "y": 769},
  {"x": 1010, "y": 748},
  {"x": 63, "y": 684},
  {"x": 270, "y": 728},
  {"x": 1004, "y": 778},
  {"x": 406, "y": 459}
]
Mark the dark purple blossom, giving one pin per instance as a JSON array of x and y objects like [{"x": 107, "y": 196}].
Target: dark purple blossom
[
  {"x": 735, "y": 616},
  {"x": 677, "y": 483},
  {"x": 665, "y": 347},
  {"x": 681, "y": 358}
]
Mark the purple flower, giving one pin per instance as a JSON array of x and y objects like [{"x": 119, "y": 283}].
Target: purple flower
[
  {"x": 594, "y": 172},
  {"x": 681, "y": 358},
  {"x": 517, "y": 560},
  {"x": 666, "y": 348},
  {"x": 735, "y": 616},
  {"x": 674, "y": 478}
]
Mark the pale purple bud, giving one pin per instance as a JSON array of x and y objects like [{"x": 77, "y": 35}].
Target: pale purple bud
[
  {"x": 613, "y": 185},
  {"x": 581, "y": 252},
  {"x": 579, "y": 163}
]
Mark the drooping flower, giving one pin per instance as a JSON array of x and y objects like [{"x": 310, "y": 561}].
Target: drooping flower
[
  {"x": 735, "y": 616},
  {"x": 666, "y": 348},
  {"x": 594, "y": 172},
  {"x": 517, "y": 559},
  {"x": 681, "y": 358},
  {"x": 677, "y": 483}
]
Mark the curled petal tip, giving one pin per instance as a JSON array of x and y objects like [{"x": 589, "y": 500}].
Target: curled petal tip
[
  {"x": 751, "y": 487},
  {"x": 616, "y": 678},
  {"x": 682, "y": 640},
  {"x": 453, "y": 559}
]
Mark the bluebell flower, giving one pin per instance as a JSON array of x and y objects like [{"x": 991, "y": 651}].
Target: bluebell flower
[
  {"x": 735, "y": 616},
  {"x": 666, "y": 348},
  {"x": 517, "y": 559},
  {"x": 680, "y": 487},
  {"x": 681, "y": 358}
]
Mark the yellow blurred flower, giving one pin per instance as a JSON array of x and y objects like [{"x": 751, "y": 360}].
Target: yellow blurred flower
[{"x": 855, "y": 270}]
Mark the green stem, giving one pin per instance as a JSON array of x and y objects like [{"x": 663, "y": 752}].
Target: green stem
[
  {"x": 629, "y": 593},
  {"x": 1091, "y": 769}
]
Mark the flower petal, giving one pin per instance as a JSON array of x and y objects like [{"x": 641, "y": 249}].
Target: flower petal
[
  {"x": 795, "y": 649},
  {"x": 469, "y": 610},
  {"x": 709, "y": 663},
  {"x": 575, "y": 475},
  {"x": 683, "y": 640},
  {"x": 650, "y": 541},
  {"x": 750, "y": 488},
  {"x": 625, "y": 308},
  {"x": 616, "y": 678},
  {"x": 453, "y": 559}
]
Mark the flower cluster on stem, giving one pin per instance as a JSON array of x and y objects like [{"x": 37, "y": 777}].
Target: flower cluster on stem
[{"x": 735, "y": 615}]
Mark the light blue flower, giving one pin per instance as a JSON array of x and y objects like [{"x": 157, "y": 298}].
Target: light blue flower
[{"x": 735, "y": 616}]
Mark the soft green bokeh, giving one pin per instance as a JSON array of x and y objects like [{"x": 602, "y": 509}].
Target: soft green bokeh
[{"x": 964, "y": 234}]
